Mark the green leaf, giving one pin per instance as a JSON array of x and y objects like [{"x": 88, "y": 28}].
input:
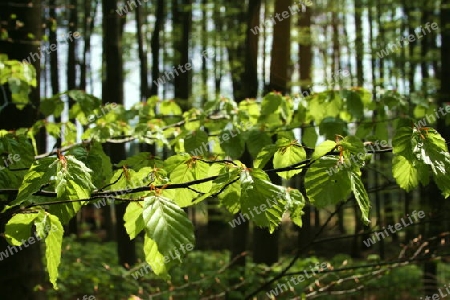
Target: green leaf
[
  {"x": 125, "y": 179},
  {"x": 53, "y": 244},
  {"x": 352, "y": 144},
  {"x": 270, "y": 104},
  {"x": 230, "y": 197},
  {"x": 299, "y": 117},
  {"x": 287, "y": 109},
  {"x": 355, "y": 105},
  {"x": 175, "y": 160},
  {"x": 325, "y": 104},
  {"x": 43, "y": 225},
  {"x": 170, "y": 108},
  {"x": 167, "y": 225},
  {"x": 16, "y": 150},
  {"x": 141, "y": 160},
  {"x": 323, "y": 149},
  {"x": 329, "y": 127},
  {"x": 309, "y": 137},
  {"x": 408, "y": 173},
  {"x": 73, "y": 179},
  {"x": 442, "y": 163},
  {"x": 287, "y": 156},
  {"x": 100, "y": 164},
  {"x": 265, "y": 155},
  {"x": 70, "y": 134},
  {"x": 190, "y": 170},
  {"x": 134, "y": 222},
  {"x": 154, "y": 258},
  {"x": 17, "y": 153},
  {"x": 38, "y": 176},
  {"x": 360, "y": 195},
  {"x": 84, "y": 106},
  {"x": 404, "y": 142},
  {"x": 365, "y": 129},
  {"x": 393, "y": 99},
  {"x": 323, "y": 185},
  {"x": 197, "y": 143},
  {"x": 434, "y": 153},
  {"x": 407, "y": 169},
  {"x": 251, "y": 108},
  {"x": 234, "y": 147},
  {"x": 73, "y": 182},
  {"x": 294, "y": 204},
  {"x": 256, "y": 140},
  {"x": 53, "y": 129},
  {"x": 381, "y": 131},
  {"x": 19, "y": 228},
  {"x": 258, "y": 192},
  {"x": 52, "y": 106}
]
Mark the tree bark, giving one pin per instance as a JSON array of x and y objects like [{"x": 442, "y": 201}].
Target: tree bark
[
  {"x": 438, "y": 211},
  {"x": 113, "y": 92},
  {"x": 72, "y": 227},
  {"x": 22, "y": 271},
  {"x": 279, "y": 64},
  {"x": 245, "y": 85},
  {"x": 265, "y": 246},
  {"x": 155, "y": 44},
  {"x": 145, "y": 93},
  {"x": 359, "y": 42},
  {"x": 182, "y": 18},
  {"x": 305, "y": 57}
]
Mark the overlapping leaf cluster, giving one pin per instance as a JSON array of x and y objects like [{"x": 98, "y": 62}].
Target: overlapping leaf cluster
[{"x": 207, "y": 144}]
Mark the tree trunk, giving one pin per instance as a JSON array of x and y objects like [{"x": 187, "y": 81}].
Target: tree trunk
[
  {"x": 265, "y": 245},
  {"x": 182, "y": 19},
  {"x": 21, "y": 272},
  {"x": 143, "y": 69},
  {"x": 305, "y": 61},
  {"x": 281, "y": 46},
  {"x": 90, "y": 11},
  {"x": 142, "y": 55},
  {"x": 245, "y": 85},
  {"x": 113, "y": 91},
  {"x": 245, "y": 80},
  {"x": 155, "y": 44},
  {"x": 438, "y": 213},
  {"x": 218, "y": 63},
  {"x": 359, "y": 42},
  {"x": 72, "y": 227}
]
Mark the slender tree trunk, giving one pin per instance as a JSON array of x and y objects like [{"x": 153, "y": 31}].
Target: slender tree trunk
[
  {"x": 90, "y": 11},
  {"x": 145, "y": 90},
  {"x": 218, "y": 67},
  {"x": 216, "y": 223},
  {"x": 235, "y": 50},
  {"x": 143, "y": 69},
  {"x": 245, "y": 85},
  {"x": 155, "y": 44},
  {"x": 205, "y": 45},
  {"x": 54, "y": 73},
  {"x": 113, "y": 89},
  {"x": 72, "y": 228},
  {"x": 305, "y": 61},
  {"x": 280, "y": 50},
  {"x": 183, "y": 23},
  {"x": 438, "y": 211},
  {"x": 378, "y": 195},
  {"x": 87, "y": 44},
  {"x": 359, "y": 42},
  {"x": 265, "y": 248}
]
